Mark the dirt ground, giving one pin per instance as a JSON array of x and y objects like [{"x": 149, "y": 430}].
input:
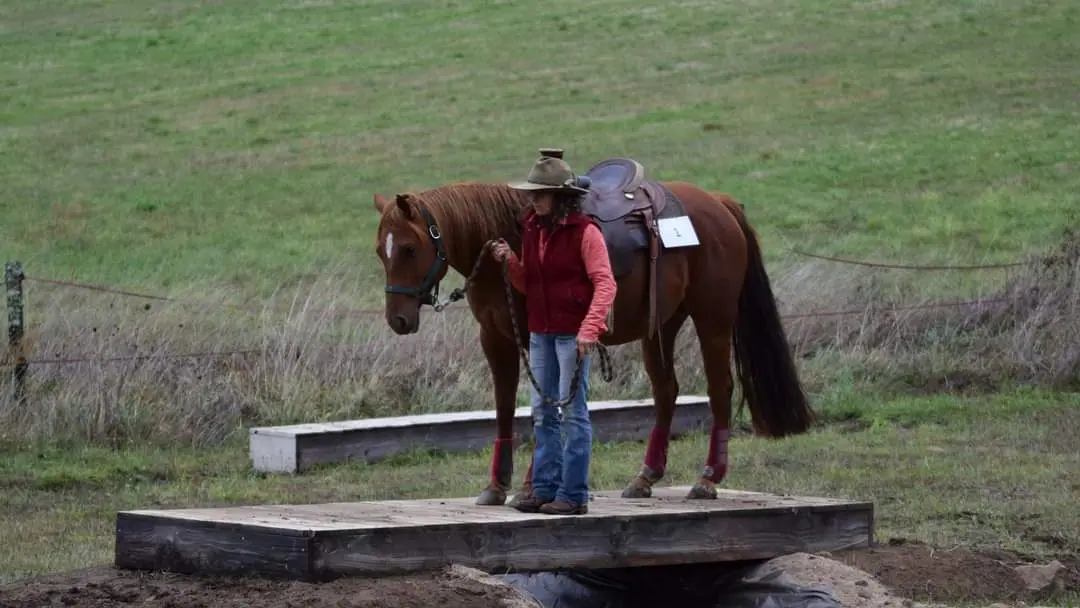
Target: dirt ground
[
  {"x": 106, "y": 587},
  {"x": 952, "y": 574},
  {"x": 884, "y": 574}
]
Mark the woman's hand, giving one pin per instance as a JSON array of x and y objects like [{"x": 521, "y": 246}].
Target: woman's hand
[
  {"x": 583, "y": 346},
  {"x": 500, "y": 251}
]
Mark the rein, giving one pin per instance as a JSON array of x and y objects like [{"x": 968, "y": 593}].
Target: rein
[{"x": 428, "y": 293}]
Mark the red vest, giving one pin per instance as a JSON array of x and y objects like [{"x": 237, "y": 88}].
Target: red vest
[{"x": 558, "y": 288}]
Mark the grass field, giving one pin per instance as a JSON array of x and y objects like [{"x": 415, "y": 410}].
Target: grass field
[{"x": 227, "y": 152}]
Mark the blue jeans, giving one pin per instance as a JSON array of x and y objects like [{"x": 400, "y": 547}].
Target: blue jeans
[{"x": 560, "y": 472}]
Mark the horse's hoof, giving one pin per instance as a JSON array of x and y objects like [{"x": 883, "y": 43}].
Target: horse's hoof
[
  {"x": 702, "y": 491},
  {"x": 491, "y": 497},
  {"x": 636, "y": 489}
]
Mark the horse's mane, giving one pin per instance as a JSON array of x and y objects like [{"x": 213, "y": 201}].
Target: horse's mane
[{"x": 470, "y": 213}]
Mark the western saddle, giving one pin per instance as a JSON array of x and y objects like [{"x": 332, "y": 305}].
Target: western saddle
[
  {"x": 617, "y": 187},
  {"x": 626, "y": 206}
]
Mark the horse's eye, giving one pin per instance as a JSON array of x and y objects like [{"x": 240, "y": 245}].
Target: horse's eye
[{"x": 408, "y": 250}]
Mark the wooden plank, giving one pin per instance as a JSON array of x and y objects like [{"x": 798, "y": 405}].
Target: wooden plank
[
  {"x": 197, "y": 546},
  {"x": 324, "y": 541},
  {"x": 295, "y": 448}
]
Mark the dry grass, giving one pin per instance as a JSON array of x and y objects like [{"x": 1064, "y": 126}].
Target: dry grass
[
  {"x": 306, "y": 361},
  {"x": 1024, "y": 331}
]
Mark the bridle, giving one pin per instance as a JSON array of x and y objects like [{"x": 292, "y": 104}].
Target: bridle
[{"x": 428, "y": 291}]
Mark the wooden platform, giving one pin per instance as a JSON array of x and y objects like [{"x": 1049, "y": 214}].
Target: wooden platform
[
  {"x": 324, "y": 541},
  {"x": 295, "y": 448}
]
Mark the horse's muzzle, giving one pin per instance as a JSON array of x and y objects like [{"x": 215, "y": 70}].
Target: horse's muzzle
[{"x": 401, "y": 325}]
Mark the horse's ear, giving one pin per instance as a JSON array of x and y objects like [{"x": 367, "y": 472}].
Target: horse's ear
[
  {"x": 380, "y": 203},
  {"x": 404, "y": 202}
]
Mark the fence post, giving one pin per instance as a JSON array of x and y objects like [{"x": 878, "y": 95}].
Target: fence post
[{"x": 13, "y": 280}]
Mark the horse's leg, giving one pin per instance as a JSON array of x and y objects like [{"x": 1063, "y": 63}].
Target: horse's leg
[
  {"x": 502, "y": 358},
  {"x": 659, "y": 357},
  {"x": 526, "y": 490},
  {"x": 526, "y": 483},
  {"x": 714, "y": 334}
]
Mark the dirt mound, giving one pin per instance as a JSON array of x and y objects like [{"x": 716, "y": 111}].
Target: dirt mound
[
  {"x": 899, "y": 574},
  {"x": 852, "y": 587},
  {"x": 882, "y": 577},
  {"x": 950, "y": 575},
  {"x": 106, "y": 587}
]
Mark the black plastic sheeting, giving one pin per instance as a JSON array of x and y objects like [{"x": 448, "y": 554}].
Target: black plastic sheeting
[{"x": 716, "y": 585}]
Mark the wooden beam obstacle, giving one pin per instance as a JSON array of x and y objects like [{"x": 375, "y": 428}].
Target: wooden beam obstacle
[
  {"x": 318, "y": 542},
  {"x": 295, "y": 448}
]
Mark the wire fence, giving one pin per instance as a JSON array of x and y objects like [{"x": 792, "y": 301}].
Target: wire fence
[
  {"x": 15, "y": 278},
  {"x": 189, "y": 302},
  {"x": 895, "y": 266}
]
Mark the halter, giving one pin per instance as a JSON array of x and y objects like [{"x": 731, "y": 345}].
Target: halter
[{"x": 428, "y": 291}]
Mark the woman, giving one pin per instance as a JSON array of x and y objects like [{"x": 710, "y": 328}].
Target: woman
[{"x": 565, "y": 274}]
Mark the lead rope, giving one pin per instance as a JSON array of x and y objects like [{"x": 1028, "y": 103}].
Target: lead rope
[
  {"x": 602, "y": 352},
  {"x": 459, "y": 293}
]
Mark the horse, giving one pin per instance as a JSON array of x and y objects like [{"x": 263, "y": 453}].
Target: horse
[{"x": 720, "y": 283}]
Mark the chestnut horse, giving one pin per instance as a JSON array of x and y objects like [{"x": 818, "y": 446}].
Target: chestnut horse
[{"x": 720, "y": 284}]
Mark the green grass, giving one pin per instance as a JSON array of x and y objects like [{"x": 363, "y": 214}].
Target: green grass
[{"x": 229, "y": 151}]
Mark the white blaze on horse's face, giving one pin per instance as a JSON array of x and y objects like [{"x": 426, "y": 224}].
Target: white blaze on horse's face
[{"x": 389, "y": 244}]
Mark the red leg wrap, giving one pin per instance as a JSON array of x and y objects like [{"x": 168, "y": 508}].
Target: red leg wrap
[
  {"x": 502, "y": 462},
  {"x": 657, "y": 452},
  {"x": 716, "y": 464}
]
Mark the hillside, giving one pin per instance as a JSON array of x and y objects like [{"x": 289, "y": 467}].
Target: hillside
[{"x": 207, "y": 145}]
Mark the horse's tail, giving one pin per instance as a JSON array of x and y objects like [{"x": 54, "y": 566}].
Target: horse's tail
[{"x": 764, "y": 362}]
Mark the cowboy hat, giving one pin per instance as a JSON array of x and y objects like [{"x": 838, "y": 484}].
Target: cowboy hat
[{"x": 551, "y": 173}]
